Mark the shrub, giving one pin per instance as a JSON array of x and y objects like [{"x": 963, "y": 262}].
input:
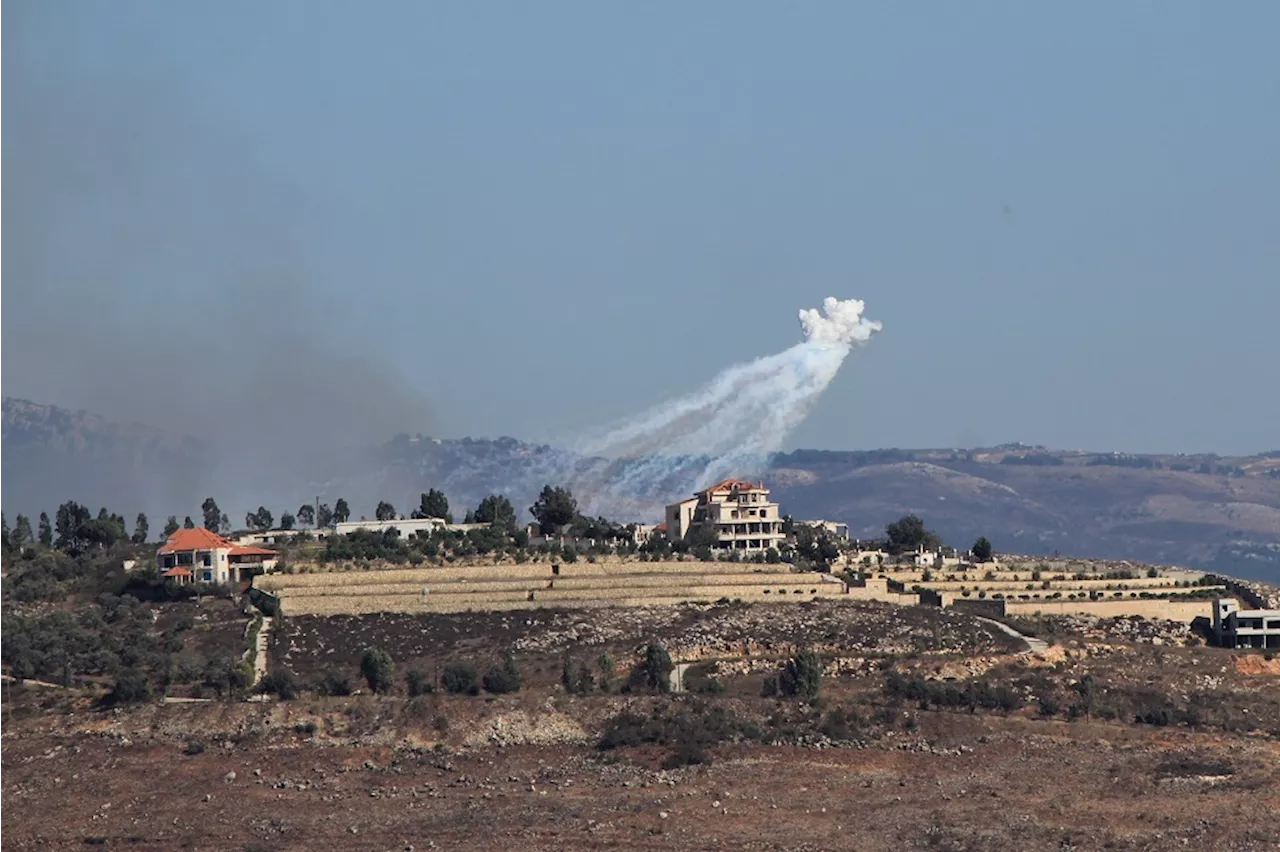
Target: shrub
[
  {"x": 193, "y": 748},
  {"x": 280, "y": 682},
  {"x": 332, "y": 683},
  {"x": 460, "y": 677},
  {"x": 131, "y": 687},
  {"x": 801, "y": 676},
  {"x": 841, "y": 724},
  {"x": 656, "y": 668},
  {"x": 416, "y": 683},
  {"x": 378, "y": 669},
  {"x": 504, "y": 678},
  {"x": 577, "y": 679}
]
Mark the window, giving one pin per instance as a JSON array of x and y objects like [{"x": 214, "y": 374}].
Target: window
[
  {"x": 207, "y": 575},
  {"x": 207, "y": 559}
]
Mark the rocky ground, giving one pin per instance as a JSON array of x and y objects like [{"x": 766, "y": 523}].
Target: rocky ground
[
  {"x": 959, "y": 782},
  {"x": 931, "y": 731}
]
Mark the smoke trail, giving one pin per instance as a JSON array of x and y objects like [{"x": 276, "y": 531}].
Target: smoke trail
[{"x": 730, "y": 427}]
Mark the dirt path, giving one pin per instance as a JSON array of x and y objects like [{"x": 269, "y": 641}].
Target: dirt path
[
  {"x": 260, "y": 652},
  {"x": 1034, "y": 645},
  {"x": 677, "y": 676}
]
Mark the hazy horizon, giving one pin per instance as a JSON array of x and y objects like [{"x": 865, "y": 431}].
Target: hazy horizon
[{"x": 294, "y": 225}]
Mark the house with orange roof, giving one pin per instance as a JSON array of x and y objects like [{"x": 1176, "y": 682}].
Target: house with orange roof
[
  {"x": 738, "y": 511},
  {"x": 198, "y": 555}
]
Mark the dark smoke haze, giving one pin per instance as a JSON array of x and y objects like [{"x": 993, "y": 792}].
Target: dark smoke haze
[{"x": 154, "y": 272}]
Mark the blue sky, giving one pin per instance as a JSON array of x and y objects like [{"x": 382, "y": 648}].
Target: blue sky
[{"x": 539, "y": 217}]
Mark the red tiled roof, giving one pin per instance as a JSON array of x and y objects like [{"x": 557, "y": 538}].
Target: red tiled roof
[
  {"x": 248, "y": 550},
  {"x": 176, "y": 572},
  {"x": 730, "y": 484},
  {"x": 197, "y": 538},
  {"x": 662, "y": 527}
]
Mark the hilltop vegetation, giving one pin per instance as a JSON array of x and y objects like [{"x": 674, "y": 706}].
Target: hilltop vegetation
[{"x": 1204, "y": 511}]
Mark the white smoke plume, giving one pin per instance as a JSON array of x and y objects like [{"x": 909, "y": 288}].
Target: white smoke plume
[{"x": 729, "y": 427}]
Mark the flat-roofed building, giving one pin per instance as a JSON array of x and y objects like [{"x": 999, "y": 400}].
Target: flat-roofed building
[{"x": 1245, "y": 628}]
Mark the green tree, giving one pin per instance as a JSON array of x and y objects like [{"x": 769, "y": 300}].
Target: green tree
[
  {"x": 259, "y": 520},
  {"x": 281, "y": 682},
  {"x": 171, "y": 526},
  {"x": 46, "y": 530},
  {"x": 801, "y": 675},
  {"x": 385, "y": 511},
  {"x": 188, "y": 524},
  {"x": 68, "y": 521},
  {"x": 324, "y": 516},
  {"x": 286, "y": 521},
  {"x": 140, "y": 529},
  {"x": 341, "y": 512},
  {"x": 417, "y": 684},
  {"x": 433, "y": 505},
  {"x": 497, "y": 510},
  {"x": 212, "y": 515},
  {"x": 554, "y": 509},
  {"x": 21, "y": 531},
  {"x": 307, "y": 515},
  {"x": 982, "y": 549},
  {"x": 131, "y": 687},
  {"x": 378, "y": 669},
  {"x": 459, "y": 677},
  {"x": 503, "y": 678},
  {"x": 657, "y": 668},
  {"x": 908, "y": 533}
]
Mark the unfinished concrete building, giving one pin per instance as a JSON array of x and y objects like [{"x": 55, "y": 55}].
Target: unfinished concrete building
[{"x": 1234, "y": 627}]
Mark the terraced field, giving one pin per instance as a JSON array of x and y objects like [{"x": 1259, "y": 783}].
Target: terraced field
[{"x": 522, "y": 587}]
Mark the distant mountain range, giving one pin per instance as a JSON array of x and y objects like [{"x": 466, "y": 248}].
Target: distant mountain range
[{"x": 1206, "y": 511}]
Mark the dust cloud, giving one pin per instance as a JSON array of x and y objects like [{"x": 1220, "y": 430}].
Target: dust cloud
[{"x": 155, "y": 273}]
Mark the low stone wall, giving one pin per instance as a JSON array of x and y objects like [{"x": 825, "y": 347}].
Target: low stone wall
[
  {"x": 1028, "y": 585},
  {"x": 1171, "y": 610},
  {"x": 504, "y": 601},
  {"x": 446, "y": 573}
]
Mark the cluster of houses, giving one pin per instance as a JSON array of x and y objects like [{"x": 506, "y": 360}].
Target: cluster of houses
[
  {"x": 735, "y": 514},
  {"x": 738, "y": 513}
]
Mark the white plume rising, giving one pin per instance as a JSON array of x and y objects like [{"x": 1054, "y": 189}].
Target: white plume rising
[{"x": 729, "y": 427}]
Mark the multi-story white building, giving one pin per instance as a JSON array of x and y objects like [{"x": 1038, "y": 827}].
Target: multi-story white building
[{"x": 738, "y": 511}]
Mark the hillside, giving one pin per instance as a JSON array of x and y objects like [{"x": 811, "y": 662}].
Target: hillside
[
  {"x": 1205, "y": 511},
  {"x": 1228, "y": 520},
  {"x": 54, "y": 454}
]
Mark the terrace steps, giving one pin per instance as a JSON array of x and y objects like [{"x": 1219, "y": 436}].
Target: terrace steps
[{"x": 453, "y": 589}]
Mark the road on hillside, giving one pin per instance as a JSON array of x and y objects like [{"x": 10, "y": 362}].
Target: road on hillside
[{"x": 1034, "y": 645}]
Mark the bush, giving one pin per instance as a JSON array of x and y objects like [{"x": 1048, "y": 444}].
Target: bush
[
  {"x": 689, "y": 732},
  {"x": 131, "y": 687},
  {"x": 841, "y": 724},
  {"x": 577, "y": 679},
  {"x": 332, "y": 683},
  {"x": 458, "y": 678},
  {"x": 193, "y": 748},
  {"x": 504, "y": 678},
  {"x": 656, "y": 668},
  {"x": 378, "y": 669},
  {"x": 416, "y": 683},
  {"x": 281, "y": 683},
  {"x": 801, "y": 676}
]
